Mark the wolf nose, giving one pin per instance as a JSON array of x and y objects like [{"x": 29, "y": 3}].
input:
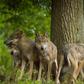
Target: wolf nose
[{"x": 41, "y": 48}]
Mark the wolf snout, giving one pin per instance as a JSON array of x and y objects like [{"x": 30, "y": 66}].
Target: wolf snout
[
  {"x": 42, "y": 48},
  {"x": 14, "y": 52}
]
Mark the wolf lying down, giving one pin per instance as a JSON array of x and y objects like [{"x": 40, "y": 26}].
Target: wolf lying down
[{"x": 43, "y": 51}]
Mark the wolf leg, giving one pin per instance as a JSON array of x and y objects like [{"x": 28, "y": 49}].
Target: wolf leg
[
  {"x": 22, "y": 69},
  {"x": 40, "y": 70},
  {"x": 30, "y": 70},
  {"x": 49, "y": 70},
  {"x": 59, "y": 70}
]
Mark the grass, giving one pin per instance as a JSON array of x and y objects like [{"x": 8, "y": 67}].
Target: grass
[{"x": 9, "y": 79}]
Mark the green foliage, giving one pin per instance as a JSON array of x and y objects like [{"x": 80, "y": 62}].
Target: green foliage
[
  {"x": 30, "y": 16},
  {"x": 25, "y": 15}
]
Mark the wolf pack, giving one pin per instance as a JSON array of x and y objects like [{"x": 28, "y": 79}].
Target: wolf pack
[{"x": 43, "y": 53}]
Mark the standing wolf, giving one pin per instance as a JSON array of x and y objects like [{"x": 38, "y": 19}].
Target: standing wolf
[
  {"x": 27, "y": 50},
  {"x": 48, "y": 54},
  {"x": 74, "y": 54}
]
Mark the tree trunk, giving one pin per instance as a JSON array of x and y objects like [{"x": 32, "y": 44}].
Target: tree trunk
[{"x": 66, "y": 21}]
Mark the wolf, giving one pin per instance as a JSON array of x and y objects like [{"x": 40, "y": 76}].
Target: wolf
[
  {"x": 48, "y": 54},
  {"x": 74, "y": 54},
  {"x": 26, "y": 48}
]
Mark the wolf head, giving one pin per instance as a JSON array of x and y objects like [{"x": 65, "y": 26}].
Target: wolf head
[
  {"x": 41, "y": 42},
  {"x": 11, "y": 42},
  {"x": 15, "y": 51},
  {"x": 14, "y": 38}
]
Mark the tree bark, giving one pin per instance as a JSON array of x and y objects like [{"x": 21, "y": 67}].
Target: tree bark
[{"x": 66, "y": 21}]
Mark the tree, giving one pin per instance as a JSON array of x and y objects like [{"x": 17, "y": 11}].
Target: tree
[
  {"x": 66, "y": 21},
  {"x": 19, "y": 13}
]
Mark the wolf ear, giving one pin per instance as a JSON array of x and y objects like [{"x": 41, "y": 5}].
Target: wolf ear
[
  {"x": 19, "y": 33},
  {"x": 46, "y": 34},
  {"x": 37, "y": 34}
]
